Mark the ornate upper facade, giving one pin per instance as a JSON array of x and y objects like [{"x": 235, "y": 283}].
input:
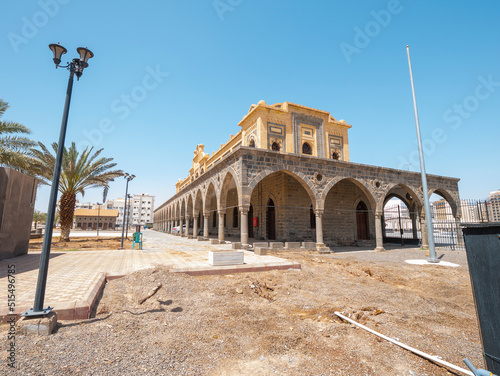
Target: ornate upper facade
[{"x": 282, "y": 127}]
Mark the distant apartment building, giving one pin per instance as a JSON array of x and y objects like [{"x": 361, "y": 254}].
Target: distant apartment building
[
  {"x": 142, "y": 207},
  {"x": 139, "y": 209},
  {"x": 494, "y": 198}
]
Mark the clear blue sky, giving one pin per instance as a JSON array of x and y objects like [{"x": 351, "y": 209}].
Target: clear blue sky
[{"x": 212, "y": 60}]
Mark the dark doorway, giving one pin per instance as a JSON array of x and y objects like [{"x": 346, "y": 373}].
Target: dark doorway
[
  {"x": 271, "y": 220},
  {"x": 105, "y": 226},
  {"x": 362, "y": 221},
  {"x": 250, "y": 222}
]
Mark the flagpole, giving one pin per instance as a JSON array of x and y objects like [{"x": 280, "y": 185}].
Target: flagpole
[{"x": 425, "y": 191}]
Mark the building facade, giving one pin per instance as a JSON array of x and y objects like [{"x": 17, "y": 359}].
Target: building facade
[
  {"x": 91, "y": 219},
  {"x": 494, "y": 201},
  {"x": 287, "y": 176},
  {"x": 140, "y": 209}
]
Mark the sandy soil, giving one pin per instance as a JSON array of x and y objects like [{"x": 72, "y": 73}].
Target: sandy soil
[
  {"x": 82, "y": 244},
  {"x": 271, "y": 323}
]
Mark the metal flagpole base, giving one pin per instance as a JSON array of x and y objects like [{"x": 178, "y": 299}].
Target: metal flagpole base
[
  {"x": 433, "y": 261},
  {"x": 31, "y": 312}
]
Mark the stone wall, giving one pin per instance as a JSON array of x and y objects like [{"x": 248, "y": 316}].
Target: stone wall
[{"x": 17, "y": 199}]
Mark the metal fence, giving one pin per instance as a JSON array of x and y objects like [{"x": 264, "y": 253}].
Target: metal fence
[{"x": 403, "y": 227}]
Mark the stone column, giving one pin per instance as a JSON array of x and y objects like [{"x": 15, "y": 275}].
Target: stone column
[
  {"x": 413, "y": 216},
  {"x": 181, "y": 224},
  {"x": 319, "y": 228},
  {"x": 187, "y": 225},
  {"x": 195, "y": 225},
  {"x": 379, "y": 237},
  {"x": 244, "y": 226},
  {"x": 205, "y": 225},
  {"x": 423, "y": 229},
  {"x": 221, "y": 227},
  {"x": 460, "y": 238}
]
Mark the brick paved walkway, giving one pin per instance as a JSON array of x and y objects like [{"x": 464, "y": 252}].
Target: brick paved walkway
[{"x": 76, "y": 278}]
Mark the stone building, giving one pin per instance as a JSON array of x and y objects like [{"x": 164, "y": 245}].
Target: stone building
[{"x": 287, "y": 176}]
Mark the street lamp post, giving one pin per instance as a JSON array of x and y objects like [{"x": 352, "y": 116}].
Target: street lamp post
[
  {"x": 76, "y": 67},
  {"x": 128, "y": 178},
  {"x": 126, "y": 229},
  {"x": 98, "y": 214}
]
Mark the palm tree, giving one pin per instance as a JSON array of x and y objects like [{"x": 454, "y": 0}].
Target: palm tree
[
  {"x": 14, "y": 149},
  {"x": 38, "y": 216},
  {"x": 78, "y": 173}
]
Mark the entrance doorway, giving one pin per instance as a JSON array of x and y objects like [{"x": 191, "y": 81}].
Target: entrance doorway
[
  {"x": 250, "y": 222},
  {"x": 362, "y": 221},
  {"x": 271, "y": 220}
]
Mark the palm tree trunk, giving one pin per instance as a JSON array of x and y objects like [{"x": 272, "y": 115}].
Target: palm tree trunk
[{"x": 66, "y": 212}]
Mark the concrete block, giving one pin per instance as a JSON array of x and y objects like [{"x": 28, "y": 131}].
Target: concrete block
[
  {"x": 276, "y": 245},
  {"x": 260, "y": 245},
  {"x": 214, "y": 241},
  {"x": 292, "y": 245},
  {"x": 260, "y": 251},
  {"x": 245, "y": 246},
  {"x": 201, "y": 239},
  {"x": 236, "y": 245},
  {"x": 309, "y": 245},
  {"x": 190, "y": 237},
  {"x": 324, "y": 250},
  {"x": 36, "y": 325},
  {"x": 225, "y": 258}
]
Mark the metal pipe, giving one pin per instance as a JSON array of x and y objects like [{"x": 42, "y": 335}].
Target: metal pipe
[
  {"x": 434, "y": 359},
  {"x": 425, "y": 191}
]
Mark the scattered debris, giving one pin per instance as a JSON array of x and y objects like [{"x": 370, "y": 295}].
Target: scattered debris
[
  {"x": 151, "y": 293},
  {"x": 261, "y": 290}
]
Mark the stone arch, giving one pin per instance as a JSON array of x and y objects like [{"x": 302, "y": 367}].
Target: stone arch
[
  {"x": 452, "y": 201},
  {"x": 304, "y": 180},
  {"x": 229, "y": 181},
  {"x": 401, "y": 191},
  {"x": 340, "y": 217},
  {"x": 292, "y": 198}
]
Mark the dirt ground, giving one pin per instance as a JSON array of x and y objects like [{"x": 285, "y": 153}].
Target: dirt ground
[
  {"x": 272, "y": 323},
  {"x": 81, "y": 244}
]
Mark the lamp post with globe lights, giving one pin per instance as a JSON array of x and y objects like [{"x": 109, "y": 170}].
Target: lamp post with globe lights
[{"x": 75, "y": 67}]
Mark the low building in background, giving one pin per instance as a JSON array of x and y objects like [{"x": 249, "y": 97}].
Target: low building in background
[
  {"x": 17, "y": 201},
  {"x": 90, "y": 219}
]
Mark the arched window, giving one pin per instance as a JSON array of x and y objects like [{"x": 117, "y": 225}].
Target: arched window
[
  {"x": 252, "y": 143},
  {"x": 235, "y": 217},
  {"x": 275, "y": 146},
  {"x": 312, "y": 218},
  {"x": 306, "y": 149}
]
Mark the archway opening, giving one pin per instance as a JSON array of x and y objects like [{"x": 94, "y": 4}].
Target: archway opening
[{"x": 362, "y": 221}]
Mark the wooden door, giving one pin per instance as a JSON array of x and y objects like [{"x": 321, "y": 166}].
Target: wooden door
[
  {"x": 362, "y": 221},
  {"x": 271, "y": 220}
]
